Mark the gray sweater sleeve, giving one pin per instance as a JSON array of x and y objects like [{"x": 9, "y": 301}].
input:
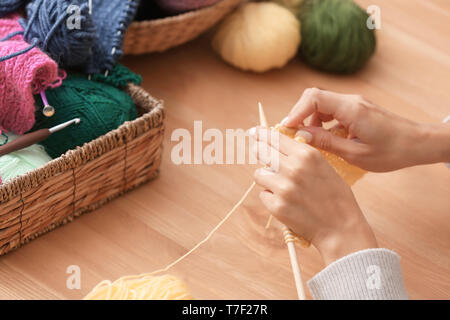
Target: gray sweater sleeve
[{"x": 372, "y": 274}]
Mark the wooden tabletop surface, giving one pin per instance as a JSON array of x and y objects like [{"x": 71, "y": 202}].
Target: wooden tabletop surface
[{"x": 153, "y": 225}]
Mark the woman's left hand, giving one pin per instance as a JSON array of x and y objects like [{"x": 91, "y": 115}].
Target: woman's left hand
[{"x": 307, "y": 195}]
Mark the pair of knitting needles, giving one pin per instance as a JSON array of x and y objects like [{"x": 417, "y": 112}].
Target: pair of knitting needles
[{"x": 289, "y": 236}]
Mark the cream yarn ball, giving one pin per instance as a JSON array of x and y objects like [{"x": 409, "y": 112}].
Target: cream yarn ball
[
  {"x": 258, "y": 37},
  {"x": 293, "y": 5}
]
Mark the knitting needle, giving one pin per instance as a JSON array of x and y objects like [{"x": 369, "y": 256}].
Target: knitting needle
[
  {"x": 48, "y": 110},
  {"x": 263, "y": 122},
  {"x": 33, "y": 137},
  {"x": 289, "y": 237}
]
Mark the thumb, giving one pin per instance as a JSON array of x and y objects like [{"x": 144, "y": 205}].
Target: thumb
[{"x": 325, "y": 140}]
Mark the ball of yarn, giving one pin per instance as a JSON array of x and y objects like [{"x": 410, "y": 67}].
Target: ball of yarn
[
  {"x": 293, "y": 5},
  {"x": 164, "y": 287},
  {"x": 58, "y": 31},
  {"x": 22, "y": 161},
  {"x": 258, "y": 37},
  {"x": 335, "y": 36},
  {"x": 176, "y": 6},
  {"x": 100, "y": 107}
]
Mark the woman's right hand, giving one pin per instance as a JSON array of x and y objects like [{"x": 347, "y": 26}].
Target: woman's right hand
[{"x": 378, "y": 139}]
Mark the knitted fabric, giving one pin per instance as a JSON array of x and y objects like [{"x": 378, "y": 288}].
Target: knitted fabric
[
  {"x": 9, "y": 6},
  {"x": 9, "y": 25},
  {"x": 20, "y": 78},
  {"x": 111, "y": 18}
]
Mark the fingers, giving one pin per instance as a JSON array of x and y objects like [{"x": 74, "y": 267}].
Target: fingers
[
  {"x": 276, "y": 206},
  {"x": 267, "y": 179},
  {"x": 315, "y": 120},
  {"x": 325, "y": 140},
  {"x": 322, "y": 101},
  {"x": 318, "y": 118},
  {"x": 277, "y": 141},
  {"x": 268, "y": 156},
  {"x": 268, "y": 200}
]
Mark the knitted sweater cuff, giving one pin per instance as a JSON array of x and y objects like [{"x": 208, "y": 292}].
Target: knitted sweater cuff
[{"x": 372, "y": 274}]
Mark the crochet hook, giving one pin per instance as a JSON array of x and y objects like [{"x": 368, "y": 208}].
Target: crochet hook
[
  {"x": 31, "y": 138},
  {"x": 289, "y": 236}
]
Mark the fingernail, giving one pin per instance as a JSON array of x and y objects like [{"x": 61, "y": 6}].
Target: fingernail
[
  {"x": 305, "y": 135},
  {"x": 284, "y": 121},
  {"x": 252, "y": 131}
]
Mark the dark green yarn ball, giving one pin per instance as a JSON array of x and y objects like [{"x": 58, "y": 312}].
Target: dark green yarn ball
[
  {"x": 335, "y": 37},
  {"x": 101, "y": 108},
  {"x": 119, "y": 77}
]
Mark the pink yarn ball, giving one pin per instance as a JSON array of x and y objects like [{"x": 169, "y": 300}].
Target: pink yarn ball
[
  {"x": 177, "y": 6},
  {"x": 20, "y": 78}
]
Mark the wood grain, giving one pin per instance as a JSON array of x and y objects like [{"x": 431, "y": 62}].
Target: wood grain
[{"x": 155, "y": 224}]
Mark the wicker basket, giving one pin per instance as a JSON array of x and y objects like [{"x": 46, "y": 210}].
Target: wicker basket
[
  {"x": 162, "y": 34},
  {"x": 85, "y": 178}
]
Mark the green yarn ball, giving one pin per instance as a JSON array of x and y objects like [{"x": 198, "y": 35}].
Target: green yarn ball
[
  {"x": 335, "y": 37},
  {"x": 101, "y": 108}
]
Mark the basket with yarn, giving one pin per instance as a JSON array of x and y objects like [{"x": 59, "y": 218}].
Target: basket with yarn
[
  {"x": 163, "y": 33},
  {"x": 88, "y": 176}
]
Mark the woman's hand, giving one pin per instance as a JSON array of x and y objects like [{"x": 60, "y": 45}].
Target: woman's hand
[
  {"x": 308, "y": 196},
  {"x": 378, "y": 140}
]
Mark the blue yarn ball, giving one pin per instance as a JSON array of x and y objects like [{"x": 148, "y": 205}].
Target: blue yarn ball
[
  {"x": 56, "y": 30},
  {"x": 8, "y": 6}
]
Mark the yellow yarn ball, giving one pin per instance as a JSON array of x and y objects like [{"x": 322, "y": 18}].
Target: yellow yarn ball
[
  {"x": 293, "y": 5},
  {"x": 143, "y": 287},
  {"x": 258, "y": 37}
]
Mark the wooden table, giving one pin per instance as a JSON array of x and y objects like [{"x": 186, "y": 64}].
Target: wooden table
[{"x": 156, "y": 223}]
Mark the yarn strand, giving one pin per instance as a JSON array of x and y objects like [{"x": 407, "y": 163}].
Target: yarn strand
[
  {"x": 11, "y": 35},
  {"x": 210, "y": 234},
  {"x": 18, "y": 53},
  {"x": 53, "y": 30}
]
